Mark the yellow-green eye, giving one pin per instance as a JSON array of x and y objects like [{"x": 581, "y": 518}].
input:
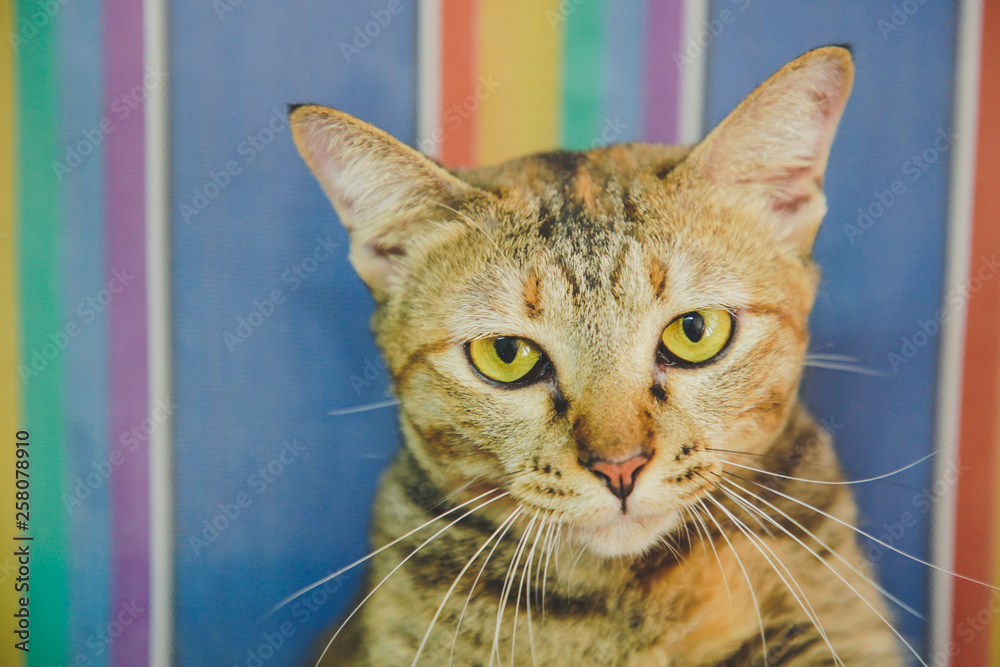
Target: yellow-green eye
[
  {"x": 698, "y": 336},
  {"x": 504, "y": 358}
]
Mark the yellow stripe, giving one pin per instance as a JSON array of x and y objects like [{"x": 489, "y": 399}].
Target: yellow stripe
[
  {"x": 10, "y": 405},
  {"x": 520, "y": 42}
]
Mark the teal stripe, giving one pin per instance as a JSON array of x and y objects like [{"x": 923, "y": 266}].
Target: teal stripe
[
  {"x": 42, "y": 329},
  {"x": 583, "y": 75},
  {"x": 85, "y": 361}
]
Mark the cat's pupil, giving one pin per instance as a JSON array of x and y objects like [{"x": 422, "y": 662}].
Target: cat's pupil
[
  {"x": 506, "y": 348},
  {"x": 694, "y": 326}
]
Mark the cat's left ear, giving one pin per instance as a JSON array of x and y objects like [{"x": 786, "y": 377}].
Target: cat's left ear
[{"x": 775, "y": 144}]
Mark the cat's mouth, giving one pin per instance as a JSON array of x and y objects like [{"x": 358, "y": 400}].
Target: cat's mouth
[{"x": 626, "y": 534}]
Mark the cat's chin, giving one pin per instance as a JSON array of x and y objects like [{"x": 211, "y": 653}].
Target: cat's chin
[{"x": 625, "y": 535}]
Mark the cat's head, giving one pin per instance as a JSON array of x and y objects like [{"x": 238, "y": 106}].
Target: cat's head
[{"x": 584, "y": 329}]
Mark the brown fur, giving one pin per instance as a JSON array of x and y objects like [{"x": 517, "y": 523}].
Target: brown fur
[{"x": 591, "y": 255}]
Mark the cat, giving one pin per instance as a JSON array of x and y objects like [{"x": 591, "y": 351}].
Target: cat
[{"x": 597, "y": 358}]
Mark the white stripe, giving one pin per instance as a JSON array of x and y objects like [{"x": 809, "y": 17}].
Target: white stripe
[
  {"x": 960, "y": 220},
  {"x": 157, "y": 146},
  {"x": 691, "y": 116},
  {"x": 429, "y": 76}
]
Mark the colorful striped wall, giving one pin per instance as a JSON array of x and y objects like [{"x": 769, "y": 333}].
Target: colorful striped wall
[{"x": 184, "y": 340}]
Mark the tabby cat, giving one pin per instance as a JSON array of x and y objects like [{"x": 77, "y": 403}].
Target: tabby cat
[{"x": 597, "y": 358}]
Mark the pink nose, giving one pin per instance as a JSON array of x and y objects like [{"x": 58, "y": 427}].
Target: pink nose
[{"x": 619, "y": 475}]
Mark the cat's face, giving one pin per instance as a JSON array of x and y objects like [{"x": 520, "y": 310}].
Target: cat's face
[{"x": 586, "y": 330}]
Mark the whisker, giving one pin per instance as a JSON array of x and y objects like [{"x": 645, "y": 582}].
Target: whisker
[
  {"x": 848, "y": 368},
  {"x": 830, "y": 567},
  {"x": 527, "y": 595},
  {"x": 840, "y": 469},
  {"x": 320, "y": 582},
  {"x": 454, "y": 584},
  {"x": 739, "y": 561},
  {"x": 869, "y": 580},
  {"x": 517, "y": 513},
  {"x": 399, "y": 565},
  {"x": 840, "y": 483},
  {"x": 507, "y": 585},
  {"x": 825, "y": 356},
  {"x": 700, "y": 522},
  {"x": 868, "y": 535},
  {"x": 363, "y": 408},
  {"x": 760, "y": 545}
]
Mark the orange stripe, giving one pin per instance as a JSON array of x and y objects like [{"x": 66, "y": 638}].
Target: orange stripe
[
  {"x": 974, "y": 553},
  {"x": 459, "y": 122}
]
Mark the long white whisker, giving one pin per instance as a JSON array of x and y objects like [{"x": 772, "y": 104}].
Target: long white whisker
[
  {"x": 510, "y": 522},
  {"x": 399, "y": 565},
  {"x": 553, "y": 547},
  {"x": 700, "y": 523},
  {"x": 454, "y": 584},
  {"x": 527, "y": 595},
  {"x": 364, "y": 408},
  {"x": 507, "y": 585},
  {"x": 303, "y": 591},
  {"x": 826, "y": 546},
  {"x": 837, "y": 574},
  {"x": 834, "y": 366},
  {"x": 760, "y": 545},
  {"x": 845, "y": 483},
  {"x": 739, "y": 561},
  {"x": 868, "y": 535},
  {"x": 824, "y": 356}
]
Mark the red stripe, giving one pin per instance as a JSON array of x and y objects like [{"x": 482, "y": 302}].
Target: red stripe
[
  {"x": 974, "y": 553},
  {"x": 459, "y": 63}
]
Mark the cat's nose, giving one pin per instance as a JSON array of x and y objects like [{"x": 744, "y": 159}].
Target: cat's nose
[{"x": 619, "y": 474}]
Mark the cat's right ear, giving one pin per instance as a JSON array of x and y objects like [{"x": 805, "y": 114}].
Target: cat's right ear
[{"x": 380, "y": 188}]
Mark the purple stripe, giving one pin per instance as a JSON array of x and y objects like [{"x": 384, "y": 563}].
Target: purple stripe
[
  {"x": 124, "y": 180},
  {"x": 664, "y": 26}
]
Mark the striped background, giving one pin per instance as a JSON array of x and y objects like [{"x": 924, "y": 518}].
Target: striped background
[{"x": 153, "y": 211}]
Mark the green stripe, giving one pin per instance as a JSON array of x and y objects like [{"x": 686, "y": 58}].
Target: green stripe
[
  {"x": 41, "y": 316},
  {"x": 583, "y": 74}
]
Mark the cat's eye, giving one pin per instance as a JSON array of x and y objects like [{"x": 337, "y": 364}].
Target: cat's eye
[
  {"x": 697, "y": 337},
  {"x": 507, "y": 359}
]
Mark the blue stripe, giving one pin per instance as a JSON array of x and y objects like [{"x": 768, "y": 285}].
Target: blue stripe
[
  {"x": 623, "y": 70},
  {"x": 85, "y": 392},
  {"x": 232, "y": 77},
  {"x": 878, "y": 289}
]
